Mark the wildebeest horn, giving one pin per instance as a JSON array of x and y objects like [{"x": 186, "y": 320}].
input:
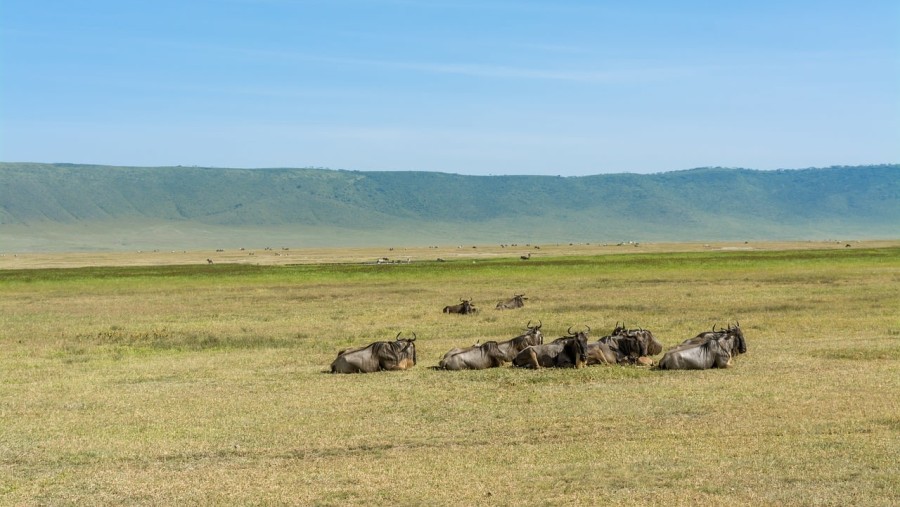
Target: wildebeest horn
[
  {"x": 569, "y": 330},
  {"x": 414, "y": 337},
  {"x": 588, "y": 329},
  {"x": 714, "y": 327}
]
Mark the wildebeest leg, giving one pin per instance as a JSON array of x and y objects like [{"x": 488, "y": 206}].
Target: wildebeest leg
[
  {"x": 602, "y": 357},
  {"x": 534, "y": 360},
  {"x": 723, "y": 359},
  {"x": 644, "y": 361}
]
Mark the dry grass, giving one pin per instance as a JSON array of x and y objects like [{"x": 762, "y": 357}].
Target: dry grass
[{"x": 205, "y": 384}]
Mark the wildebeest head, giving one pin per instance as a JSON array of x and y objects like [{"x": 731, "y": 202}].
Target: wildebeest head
[
  {"x": 406, "y": 347},
  {"x": 650, "y": 346},
  {"x": 577, "y": 345},
  {"x": 534, "y": 334},
  {"x": 740, "y": 345},
  {"x": 580, "y": 351},
  {"x": 654, "y": 346}
]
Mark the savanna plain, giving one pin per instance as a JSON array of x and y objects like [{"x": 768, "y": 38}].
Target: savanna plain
[{"x": 207, "y": 383}]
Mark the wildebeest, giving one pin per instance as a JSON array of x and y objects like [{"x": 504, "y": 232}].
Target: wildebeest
[
  {"x": 565, "y": 352},
  {"x": 721, "y": 333},
  {"x": 650, "y": 346},
  {"x": 636, "y": 345},
  {"x": 603, "y": 351},
  {"x": 465, "y": 307},
  {"x": 476, "y": 357},
  {"x": 513, "y": 346},
  {"x": 624, "y": 346},
  {"x": 517, "y": 301},
  {"x": 706, "y": 350},
  {"x": 399, "y": 354}
]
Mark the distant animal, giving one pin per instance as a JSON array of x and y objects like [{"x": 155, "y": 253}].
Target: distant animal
[
  {"x": 517, "y": 301},
  {"x": 465, "y": 307},
  {"x": 209, "y": 261},
  {"x": 476, "y": 357},
  {"x": 399, "y": 354},
  {"x": 525, "y": 257},
  {"x": 565, "y": 352},
  {"x": 513, "y": 346},
  {"x": 706, "y": 350}
]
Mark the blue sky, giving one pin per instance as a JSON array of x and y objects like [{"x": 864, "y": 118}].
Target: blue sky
[{"x": 474, "y": 87}]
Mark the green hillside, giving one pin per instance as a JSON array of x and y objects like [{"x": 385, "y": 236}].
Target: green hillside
[{"x": 50, "y": 206}]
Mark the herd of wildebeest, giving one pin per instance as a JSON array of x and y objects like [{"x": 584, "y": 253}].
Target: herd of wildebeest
[{"x": 710, "y": 349}]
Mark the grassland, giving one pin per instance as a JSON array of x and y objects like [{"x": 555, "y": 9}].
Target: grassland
[{"x": 194, "y": 383}]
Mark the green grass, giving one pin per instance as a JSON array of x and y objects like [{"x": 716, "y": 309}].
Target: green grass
[{"x": 206, "y": 384}]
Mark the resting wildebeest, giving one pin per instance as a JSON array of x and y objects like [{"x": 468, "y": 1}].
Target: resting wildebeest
[
  {"x": 564, "y": 352},
  {"x": 721, "y": 333},
  {"x": 463, "y": 308},
  {"x": 399, "y": 354},
  {"x": 706, "y": 350},
  {"x": 624, "y": 346},
  {"x": 604, "y": 352},
  {"x": 517, "y": 301},
  {"x": 476, "y": 357},
  {"x": 513, "y": 346},
  {"x": 636, "y": 345}
]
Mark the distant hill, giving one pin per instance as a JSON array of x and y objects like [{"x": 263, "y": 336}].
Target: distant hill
[{"x": 73, "y": 207}]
